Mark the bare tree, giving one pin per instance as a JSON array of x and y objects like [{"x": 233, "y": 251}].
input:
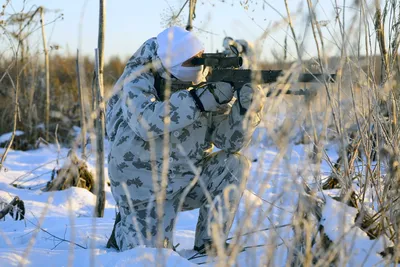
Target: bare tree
[
  {"x": 46, "y": 62},
  {"x": 82, "y": 105},
  {"x": 100, "y": 202}
]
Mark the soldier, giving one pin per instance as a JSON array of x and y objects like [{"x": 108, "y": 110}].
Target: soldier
[{"x": 137, "y": 125}]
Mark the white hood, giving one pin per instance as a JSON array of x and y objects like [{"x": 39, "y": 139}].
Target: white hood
[{"x": 176, "y": 45}]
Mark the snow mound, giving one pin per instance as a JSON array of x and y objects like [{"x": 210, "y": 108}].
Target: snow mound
[
  {"x": 338, "y": 221},
  {"x": 7, "y": 136}
]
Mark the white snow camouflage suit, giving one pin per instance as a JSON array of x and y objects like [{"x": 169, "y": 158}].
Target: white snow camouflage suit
[{"x": 135, "y": 120}]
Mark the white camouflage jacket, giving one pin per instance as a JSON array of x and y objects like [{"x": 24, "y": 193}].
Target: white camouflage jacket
[{"x": 135, "y": 124}]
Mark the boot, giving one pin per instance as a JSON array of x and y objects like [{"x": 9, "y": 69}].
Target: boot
[{"x": 112, "y": 243}]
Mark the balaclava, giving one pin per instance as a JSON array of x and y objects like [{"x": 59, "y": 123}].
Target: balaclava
[{"x": 175, "y": 46}]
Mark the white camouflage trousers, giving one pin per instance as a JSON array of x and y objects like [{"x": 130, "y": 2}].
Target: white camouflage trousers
[{"x": 220, "y": 173}]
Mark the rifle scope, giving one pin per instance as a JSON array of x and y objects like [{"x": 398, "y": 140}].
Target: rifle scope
[{"x": 217, "y": 61}]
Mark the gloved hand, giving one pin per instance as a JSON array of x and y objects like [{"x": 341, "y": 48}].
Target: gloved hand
[
  {"x": 213, "y": 95},
  {"x": 247, "y": 95}
]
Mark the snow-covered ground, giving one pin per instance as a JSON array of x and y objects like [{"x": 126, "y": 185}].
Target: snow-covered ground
[{"x": 272, "y": 193}]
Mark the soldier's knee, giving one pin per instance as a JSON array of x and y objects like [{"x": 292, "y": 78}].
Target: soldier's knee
[
  {"x": 240, "y": 161},
  {"x": 237, "y": 163},
  {"x": 243, "y": 160}
]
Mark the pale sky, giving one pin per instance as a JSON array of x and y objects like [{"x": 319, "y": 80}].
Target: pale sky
[{"x": 131, "y": 22}]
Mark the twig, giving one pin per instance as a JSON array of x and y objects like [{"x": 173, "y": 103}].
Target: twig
[
  {"x": 9, "y": 207},
  {"x": 243, "y": 250},
  {"x": 195, "y": 256},
  {"x": 33, "y": 178},
  {"x": 180, "y": 11},
  {"x": 57, "y": 245},
  {"x": 56, "y": 237},
  {"x": 59, "y": 238},
  {"x": 269, "y": 202},
  {"x": 65, "y": 232},
  {"x": 260, "y": 230},
  {"x": 30, "y": 172}
]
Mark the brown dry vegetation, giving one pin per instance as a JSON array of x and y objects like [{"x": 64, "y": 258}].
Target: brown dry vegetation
[
  {"x": 64, "y": 110},
  {"x": 64, "y": 93}
]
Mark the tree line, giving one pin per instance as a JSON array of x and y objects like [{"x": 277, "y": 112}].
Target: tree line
[{"x": 64, "y": 95}]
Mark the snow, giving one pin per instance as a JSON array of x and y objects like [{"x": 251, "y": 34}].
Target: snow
[
  {"x": 271, "y": 196},
  {"x": 7, "y": 136},
  {"x": 338, "y": 221}
]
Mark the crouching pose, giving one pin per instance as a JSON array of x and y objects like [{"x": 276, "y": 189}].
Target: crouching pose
[{"x": 161, "y": 150}]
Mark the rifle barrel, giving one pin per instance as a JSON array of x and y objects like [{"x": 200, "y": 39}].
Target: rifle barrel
[{"x": 263, "y": 76}]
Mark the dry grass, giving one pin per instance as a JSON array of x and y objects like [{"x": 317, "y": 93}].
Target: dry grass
[{"x": 359, "y": 113}]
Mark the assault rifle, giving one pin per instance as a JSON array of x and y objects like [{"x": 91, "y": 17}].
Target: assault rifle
[{"x": 225, "y": 69}]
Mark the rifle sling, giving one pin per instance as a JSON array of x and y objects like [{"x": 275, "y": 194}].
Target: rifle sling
[
  {"x": 157, "y": 85},
  {"x": 197, "y": 100}
]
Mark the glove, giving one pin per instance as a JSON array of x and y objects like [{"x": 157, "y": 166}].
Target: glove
[
  {"x": 213, "y": 95},
  {"x": 249, "y": 95}
]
